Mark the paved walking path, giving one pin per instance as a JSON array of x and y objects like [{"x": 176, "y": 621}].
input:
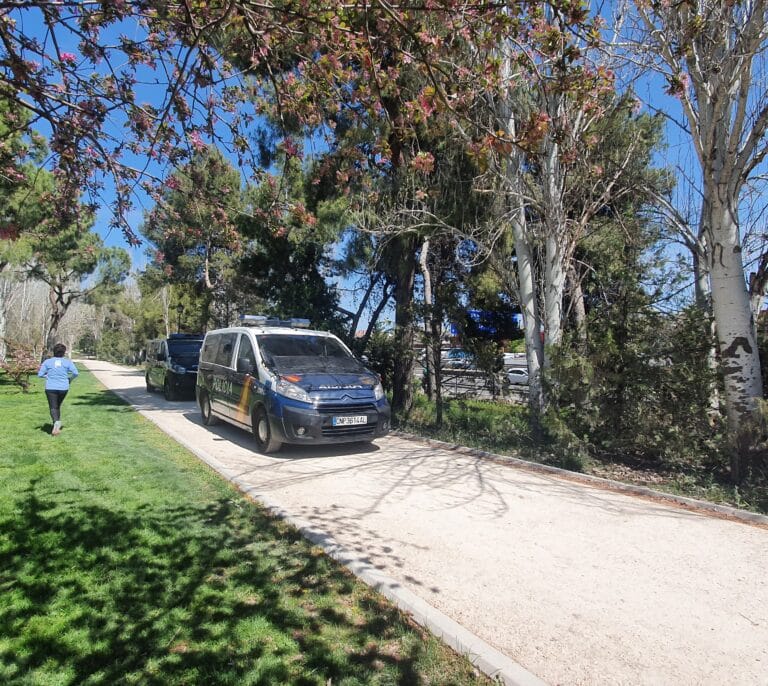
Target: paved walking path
[{"x": 541, "y": 577}]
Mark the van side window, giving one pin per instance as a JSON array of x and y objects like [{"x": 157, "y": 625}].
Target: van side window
[
  {"x": 246, "y": 350},
  {"x": 208, "y": 353},
  {"x": 225, "y": 349}
]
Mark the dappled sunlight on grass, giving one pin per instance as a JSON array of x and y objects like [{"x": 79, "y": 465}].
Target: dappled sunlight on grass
[{"x": 124, "y": 560}]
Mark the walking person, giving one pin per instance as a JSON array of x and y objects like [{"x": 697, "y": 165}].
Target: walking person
[{"x": 57, "y": 371}]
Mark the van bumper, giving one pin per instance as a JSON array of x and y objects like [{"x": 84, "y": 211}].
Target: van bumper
[
  {"x": 183, "y": 383},
  {"x": 329, "y": 424}
]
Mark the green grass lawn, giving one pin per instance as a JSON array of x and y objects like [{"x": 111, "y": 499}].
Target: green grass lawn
[{"x": 124, "y": 560}]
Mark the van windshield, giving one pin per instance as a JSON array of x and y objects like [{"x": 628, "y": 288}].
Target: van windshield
[
  {"x": 184, "y": 350},
  {"x": 306, "y": 354}
]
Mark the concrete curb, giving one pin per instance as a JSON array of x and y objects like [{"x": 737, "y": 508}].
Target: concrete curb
[
  {"x": 687, "y": 503},
  {"x": 481, "y": 654}
]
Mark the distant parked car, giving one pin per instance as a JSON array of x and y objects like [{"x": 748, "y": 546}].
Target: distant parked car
[
  {"x": 518, "y": 375},
  {"x": 511, "y": 359},
  {"x": 456, "y": 358}
]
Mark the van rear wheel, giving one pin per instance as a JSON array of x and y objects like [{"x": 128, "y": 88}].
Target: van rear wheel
[
  {"x": 205, "y": 410},
  {"x": 265, "y": 442}
]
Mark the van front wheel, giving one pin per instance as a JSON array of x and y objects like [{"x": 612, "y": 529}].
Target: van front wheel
[{"x": 262, "y": 432}]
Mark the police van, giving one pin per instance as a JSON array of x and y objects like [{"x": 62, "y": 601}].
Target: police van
[
  {"x": 171, "y": 364},
  {"x": 288, "y": 384}
]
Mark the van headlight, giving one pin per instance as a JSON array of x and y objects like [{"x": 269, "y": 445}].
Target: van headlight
[
  {"x": 292, "y": 391},
  {"x": 378, "y": 391},
  {"x": 179, "y": 369}
]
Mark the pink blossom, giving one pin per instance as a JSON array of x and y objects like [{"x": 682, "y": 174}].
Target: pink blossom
[
  {"x": 425, "y": 101},
  {"x": 68, "y": 57},
  {"x": 424, "y": 162},
  {"x": 196, "y": 140}
]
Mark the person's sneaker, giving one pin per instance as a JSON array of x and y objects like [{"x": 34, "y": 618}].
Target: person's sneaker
[{"x": 56, "y": 428}]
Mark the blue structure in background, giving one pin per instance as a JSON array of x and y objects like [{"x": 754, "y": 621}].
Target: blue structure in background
[{"x": 489, "y": 324}]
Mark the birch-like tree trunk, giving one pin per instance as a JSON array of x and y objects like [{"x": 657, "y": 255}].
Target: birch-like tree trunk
[
  {"x": 4, "y": 291},
  {"x": 758, "y": 281},
  {"x": 11, "y": 291},
  {"x": 719, "y": 79},
  {"x": 557, "y": 241},
  {"x": 7, "y": 285},
  {"x": 735, "y": 326},
  {"x": 526, "y": 284},
  {"x": 429, "y": 334}
]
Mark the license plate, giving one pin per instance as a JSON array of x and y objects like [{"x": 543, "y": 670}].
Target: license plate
[{"x": 349, "y": 421}]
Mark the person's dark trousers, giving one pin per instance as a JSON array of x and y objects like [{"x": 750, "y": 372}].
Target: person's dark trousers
[{"x": 55, "y": 398}]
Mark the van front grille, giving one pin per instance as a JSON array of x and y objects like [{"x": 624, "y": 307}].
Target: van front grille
[
  {"x": 361, "y": 430},
  {"x": 357, "y": 408}
]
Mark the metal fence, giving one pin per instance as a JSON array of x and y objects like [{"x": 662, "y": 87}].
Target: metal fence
[{"x": 474, "y": 383}]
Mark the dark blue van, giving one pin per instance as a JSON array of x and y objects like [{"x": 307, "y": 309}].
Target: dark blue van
[
  {"x": 288, "y": 384},
  {"x": 171, "y": 365}
]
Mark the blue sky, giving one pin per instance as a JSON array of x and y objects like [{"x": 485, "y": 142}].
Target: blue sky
[
  {"x": 650, "y": 89},
  {"x": 151, "y": 88}
]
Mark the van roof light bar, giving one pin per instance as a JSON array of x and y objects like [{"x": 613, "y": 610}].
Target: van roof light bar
[
  {"x": 253, "y": 319},
  {"x": 263, "y": 320}
]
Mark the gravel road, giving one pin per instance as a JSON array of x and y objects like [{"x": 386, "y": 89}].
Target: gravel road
[{"x": 576, "y": 583}]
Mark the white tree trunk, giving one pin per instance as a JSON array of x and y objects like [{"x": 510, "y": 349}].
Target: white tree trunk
[
  {"x": 556, "y": 243},
  {"x": 736, "y": 335},
  {"x": 701, "y": 283},
  {"x": 719, "y": 77},
  {"x": 527, "y": 289},
  {"x": 526, "y": 285},
  {"x": 554, "y": 289},
  {"x": 11, "y": 289},
  {"x": 5, "y": 292},
  {"x": 165, "y": 300},
  {"x": 756, "y": 301},
  {"x": 430, "y": 358}
]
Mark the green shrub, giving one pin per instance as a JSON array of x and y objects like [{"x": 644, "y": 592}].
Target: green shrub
[
  {"x": 641, "y": 395},
  {"x": 382, "y": 353},
  {"x": 476, "y": 423}
]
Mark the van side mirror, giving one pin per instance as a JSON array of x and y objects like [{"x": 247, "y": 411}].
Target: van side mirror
[
  {"x": 160, "y": 357},
  {"x": 244, "y": 366}
]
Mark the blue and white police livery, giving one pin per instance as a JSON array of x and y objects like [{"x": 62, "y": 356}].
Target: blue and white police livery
[{"x": 288, "y": 384}]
